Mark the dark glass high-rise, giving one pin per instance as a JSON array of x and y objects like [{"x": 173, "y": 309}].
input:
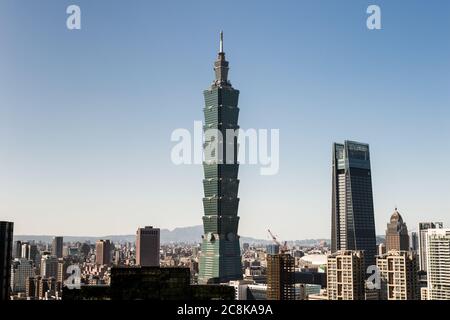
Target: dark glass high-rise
[
  {"x": 353, "y": 222},
  {"x": 6, "y": 245},
  {"x": 220, "y": 259}
]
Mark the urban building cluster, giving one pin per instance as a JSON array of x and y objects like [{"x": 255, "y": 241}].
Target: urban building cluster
[{"x": 352, "y": 266}]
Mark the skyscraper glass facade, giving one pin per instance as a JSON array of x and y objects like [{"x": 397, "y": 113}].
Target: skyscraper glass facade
[
  {"x": 220, "y": 259},
  {"x": 6, "y": 244},
  {"x": 353, "y": 222}
]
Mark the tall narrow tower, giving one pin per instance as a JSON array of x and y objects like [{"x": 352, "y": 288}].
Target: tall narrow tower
[
  {"x": 422, "y": 233},
  {"x": 353, "y": 222},
  {"x": 437, "y": 246},
  {"x": 57, "y": 247},
  {"x": 6, "y": 244},
  {"x": 220, "y": 259}
]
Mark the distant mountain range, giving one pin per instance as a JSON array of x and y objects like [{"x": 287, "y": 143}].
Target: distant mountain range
[{"x": 178, "y": 235}]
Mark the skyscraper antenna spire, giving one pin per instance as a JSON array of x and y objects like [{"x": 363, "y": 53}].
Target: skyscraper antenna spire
[{"x": 221, "y": 42}]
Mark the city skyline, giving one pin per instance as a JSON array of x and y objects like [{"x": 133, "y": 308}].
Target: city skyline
[{"x": 90, "y": 139}]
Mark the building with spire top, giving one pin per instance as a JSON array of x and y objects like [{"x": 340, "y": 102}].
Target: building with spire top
[
  {"x": 397, "y": 237},
  {"x": 220, "y": 259}
]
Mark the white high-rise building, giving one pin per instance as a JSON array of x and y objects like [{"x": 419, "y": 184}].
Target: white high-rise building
[
  {"x": 423, "y": 227},
  {"x": 240, "y": 288},
  {"x": 398, "y": 271},
  {"x": 438, "y": 264},
  {"x": 346, "y": 276},
  {"x": 25, "y": 250}
]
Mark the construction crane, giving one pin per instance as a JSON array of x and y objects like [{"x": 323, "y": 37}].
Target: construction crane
[{"x": 283, "y": 247}]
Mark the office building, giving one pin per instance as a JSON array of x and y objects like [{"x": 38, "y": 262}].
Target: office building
[
  {"x": 397, "y": 237},
  {"x": 33, "y": 252},
  {"x": 6, "y": 246},
  {"x": 422, "y": 232},
  {"x": 103, "y": 252},
  {"x": 257, "y": 291},
  {"x": 49, "y": 266},
  {"x": 47, "y": 288},
  {"x": 353, "y": 222},
  {"x": 414, "y": 242},
  {"x": 32, "y": 287},
  {"x": 346, "y": 275},
  {"x": 84, "y": 250},
  {"x": 280, "y": 277},
  {"x": 147, "y": 247},
  {"x": 62, "y": 274},
  {"x": 424, "y": 293},
  {"x": 17, "y": 249},
  {"x": 438, "y": 264},
  {"x": 304, "y": 290},
  {"x": 220, "y": 259},
  {"x": 28, "y": 250},
  {"x": 25, "y": 250},
  {"x": 57, "y": 247},
  {"x": 311, "y": 277},
  {"x": 398, "y": 272},
  {"x": 240, "y": 288},
  {"x": 21, "y": 269},
  {"x": 117, "y": 258},
  {"x": 381, "y": 249}
]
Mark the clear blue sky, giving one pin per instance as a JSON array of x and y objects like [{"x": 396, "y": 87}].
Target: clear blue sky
[{"x": 86, "y": 116}]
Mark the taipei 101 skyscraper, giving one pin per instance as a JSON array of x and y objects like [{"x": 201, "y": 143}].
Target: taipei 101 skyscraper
[{"x": 220, "y": 259}]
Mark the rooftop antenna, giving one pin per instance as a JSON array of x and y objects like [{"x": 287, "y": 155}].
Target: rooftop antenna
[{"x": 221, "y": 42}]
